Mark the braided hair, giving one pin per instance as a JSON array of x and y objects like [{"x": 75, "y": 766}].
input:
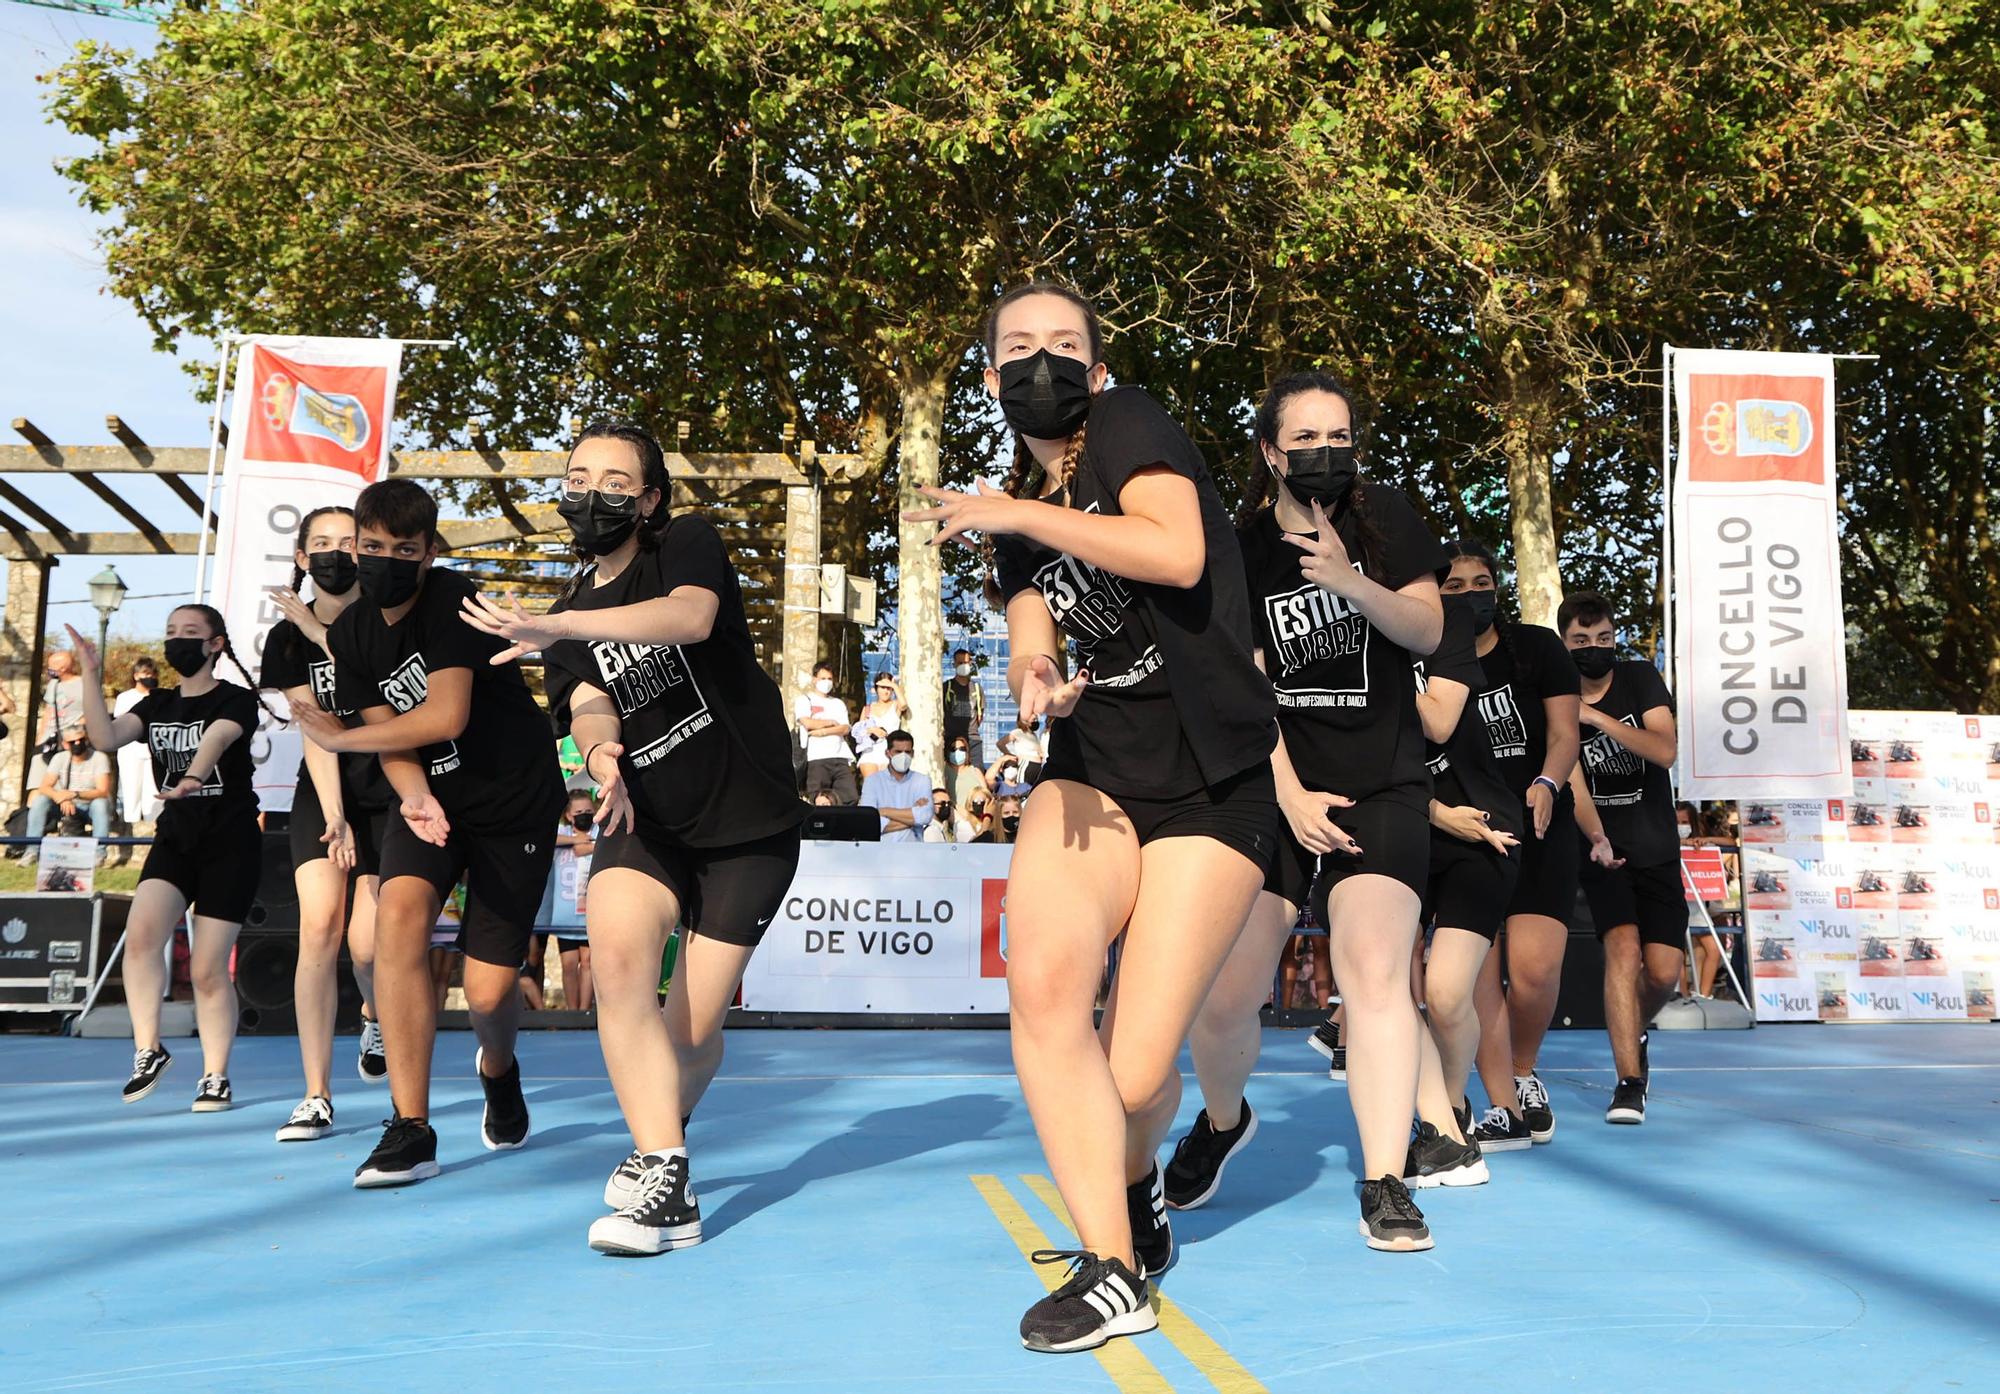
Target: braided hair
[
  {"x": 652, "y": 475},
  {"x": 1259, "y": 495},
  {"x": 299, "y": 573},
  {"x": 212, "y": 617}
]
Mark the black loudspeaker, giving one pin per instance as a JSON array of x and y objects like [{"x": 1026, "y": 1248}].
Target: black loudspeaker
[
  {"x": 267, "y": 951},
  {"x": 1580, "y": 994},
  {"x": 835, "y": 823},
  {"x": 276, "y": 905}
]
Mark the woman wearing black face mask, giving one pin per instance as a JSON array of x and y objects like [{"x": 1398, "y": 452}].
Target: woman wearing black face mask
[
  {"x": 1527, "y": 703},
  {"x": 340, "y": 807},
  {"x": 1343, "y": 580},
  {"x": 1154, "y": 812},
  {"x": 649, "y": 665}
]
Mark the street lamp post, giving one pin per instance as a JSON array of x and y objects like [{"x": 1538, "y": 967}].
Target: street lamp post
[{"x": 107, "y": 593}]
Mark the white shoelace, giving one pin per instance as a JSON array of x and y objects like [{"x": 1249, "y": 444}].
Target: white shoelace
[
  {"x": 1533, "y": 1094},
  {"x": 312, "y": 1111},
  {"x": 1496, "y": 1119}
]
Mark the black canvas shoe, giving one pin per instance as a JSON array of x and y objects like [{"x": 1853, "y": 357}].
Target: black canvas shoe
[
  {"x": 1535, "y": 1110},
  {"x": 1152, "y": 1236},
  {"x": 1501, "y": 1131},
  {"x": 1435, "y": 1160},
  {"x": 407, "y": 1153},
  {"x": 309, "y": 1121},
  {"x": 1196, "y": 1169},
  {"x": 663, "y": 1213},
  {"x": 147, "y": 1067},
  {"x": 1628, "y": 1102},
  {"x": 212, "y": 1095},
  {"x": 1390, "y": 1220},
  {"x": 1326, "y": 1040},
  {"x": 371, "y": 1064},
  {"x": 504, "y": 1124},
  {"x": 1103, "y": 1298}
]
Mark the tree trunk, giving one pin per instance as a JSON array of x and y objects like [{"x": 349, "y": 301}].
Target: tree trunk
[
  {"x": 919, "y": 594},
  {"x": 1538, "y": 588}
]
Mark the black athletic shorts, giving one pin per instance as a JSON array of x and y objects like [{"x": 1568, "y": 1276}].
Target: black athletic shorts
[
  {"x": 1395, "y": 841},
  {"x": 729, "y": 894},
  {"x": 1470, "y": 885},
  {"x": 504, "y": 876},
  {"x": 1547, "y": 883},
  {"x": 216, "y": 868},
  {"x": 1650, "y": 897},
  {"x": 309, "y": 825},
  {"x": 1240, "y": 812}
]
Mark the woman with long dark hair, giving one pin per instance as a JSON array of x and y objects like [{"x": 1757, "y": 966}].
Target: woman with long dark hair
[
  {"x": 650, "y": 666},
  {"x": 1154, "y": 814}
]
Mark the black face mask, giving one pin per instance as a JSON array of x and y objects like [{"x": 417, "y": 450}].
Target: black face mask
[
  {"x": 600, "y": 522},
  {"x": 1324, "y": 473},
  {"x": 148, "y": 682},
  {"x": 1045, "y": 395},
  {"x": 389, "y": 581},
  {"x": 188, "y": 656},
  {"x": 1010, "y": 821},
  {"x": 78, "y": 747},
  {"x": 1484, "y": 606},
  {"x": 333, "y": 573},
  {"x": 1594, "y": 662},
  {"x": 584, "y": 822}
]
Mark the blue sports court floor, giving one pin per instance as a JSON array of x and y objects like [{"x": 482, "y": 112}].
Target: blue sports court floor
[{"x": 1807, "y": 1208}]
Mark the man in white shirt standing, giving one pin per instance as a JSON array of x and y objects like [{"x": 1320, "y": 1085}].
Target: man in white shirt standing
[
  {"x": 138, "y": 800},
  {"x": 822, "y": 719},
  {"x": 900, "y": 794}
]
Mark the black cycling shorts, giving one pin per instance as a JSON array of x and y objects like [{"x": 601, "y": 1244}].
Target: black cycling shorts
[
  {"x": 215, "y": 867},
  {"x": 308, "y": 825},
  {"x": 504, "y": 876},
  {"x": 1470, "y": 885},
  {"x": 1547, "y": 883},
  {"x": 1650, "y": 897},
  {"x": 1241, "y": 812},
  {"x": 730, "y": 894},
  {"x": 1395, "y": 841}
]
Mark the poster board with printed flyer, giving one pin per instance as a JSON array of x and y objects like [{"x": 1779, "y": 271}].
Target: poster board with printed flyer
[{"x": 1884, "y": 906}]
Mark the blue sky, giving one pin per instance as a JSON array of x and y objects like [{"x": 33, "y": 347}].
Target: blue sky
[{"x": 72, "y": 353}]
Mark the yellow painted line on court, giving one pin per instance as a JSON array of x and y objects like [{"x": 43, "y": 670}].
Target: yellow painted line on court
[
  {"x": 1127, "y": 1365},
  {"x": 1216, "y": 1364}
]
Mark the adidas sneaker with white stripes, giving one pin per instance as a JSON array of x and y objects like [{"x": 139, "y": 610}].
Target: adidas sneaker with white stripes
[{"x": 1102, "y": 1299}]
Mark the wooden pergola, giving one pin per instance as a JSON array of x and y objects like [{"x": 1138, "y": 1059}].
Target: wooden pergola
[{"x": 767, "y": 504}]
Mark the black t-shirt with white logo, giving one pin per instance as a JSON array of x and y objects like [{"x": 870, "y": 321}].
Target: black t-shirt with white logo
[
  {"x": 501, "y": 774},
  {"x": 707, "y": 754},
  {"x": 175, "y": 725},
  {"x": 291, "y": 660},
  {"x": 1345, "y": 700},
  {"x": 1463, "y": 772},
  {"x": 1528, "y": 664},
  {"x": 1634, "y": 796},
  {"x": 1175, "y": 701}
]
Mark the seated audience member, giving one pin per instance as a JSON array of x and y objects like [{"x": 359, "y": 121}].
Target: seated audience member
[{"x": 77, "y": 777}]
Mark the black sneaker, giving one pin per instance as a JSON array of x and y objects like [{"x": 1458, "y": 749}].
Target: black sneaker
[
  {"x": 371, "y": 1064},
  {"x": 1501, "y": 1131},
  {"x": 212, "y": 1095},
  {"x": 1326, "y": 1040},
  {"x": 1196, "y": 1169},
  {"x": 1435, "y": 1160},
  {"x": 1390, "y": 1220},
  {"x": 504, "y": 1124},
  {"x": 147, "y": 1067},
  {"x": 663, "y": 1213},
  {"x": 309, "y": 1121},
  {"x": 1462, "y": 1111},
  {"x": 1535, "y": 1110},
  {"x": 1628, "y": 1102},
  {"x": 1103, "y": 1298},
  {"x": 618, "y": 1187},
  {"x": 407, "y": 1153},
  {"x": 1152, "y": 1236}
]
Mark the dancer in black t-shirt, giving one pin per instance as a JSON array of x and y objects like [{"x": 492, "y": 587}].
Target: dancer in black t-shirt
[
  {"x": 207, "y": 850},
  {"x": 473, "y": 762},
  {"x": 339, "y": 808},
  {"x": 1154, "y": 814},
  {"x": 649, "y": 664},
  {"x": 1343, "y": 580},
  {"x": 1625, "y": 806},
  {"x": 1526, "y": 704}
]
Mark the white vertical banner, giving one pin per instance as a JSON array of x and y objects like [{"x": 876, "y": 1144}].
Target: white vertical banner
[
  {"x": 1759, "y": 640},
  {"x": 308, "y": 427}
]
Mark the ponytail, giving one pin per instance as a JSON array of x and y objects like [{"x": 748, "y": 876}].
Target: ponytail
[
  {"x": 1024, "y": 479},
  {"x": 212, "y": 617}
]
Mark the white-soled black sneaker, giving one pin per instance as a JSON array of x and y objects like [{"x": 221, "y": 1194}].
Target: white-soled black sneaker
[
  {"x": 1535, "y": 1110},
  {"x": 1326, "y": 1040},
  {"x": 1501, "y": 1131},
  {"x": 663, "y": 1213},
  {"x": 1628, "y": 1102},
  {"x": 147, "y": 1067},
  {"x": 407, "y": 1152},
  {"x": 1194, "y": 1174},
  {"x": 309, "y": 1121},
  {"x": 1102, "y": 1299},
  {"x": 1435, "y": 1160},
  {"x": 504, "y": 1125},
  {"x": 1152, "y": 1235},
  {"x": 1390, "y": 1220},
  {"x": 212, "y": 1095},
  {"x": 370, "y": 1063}
]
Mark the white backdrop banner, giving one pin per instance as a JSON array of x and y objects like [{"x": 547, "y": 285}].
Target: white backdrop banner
[
  {"x": 309, "y": 427},
  {"x": 898, "y": 927},
  {"x": 1760, "y": 659}
]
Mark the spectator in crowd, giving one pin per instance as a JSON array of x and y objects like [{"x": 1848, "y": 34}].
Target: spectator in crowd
[
  {"x": 822, "y": 720},
  {"x": 560, "y": 919},
  {"x": 825, "y": 799},
  {"x": 900, "y": 794},
  {"x": 1007, "y": 778},
  {"x": 1023, "y": 743},
  {"x": 77, "y": 777},
  {"x": 1702, "y": 828},
  {"x": 975, "y": 821},
  {"x": 62, "y": 708},
  {"x": 138, "y": 798},
  {"x": 964, "y": 703},
  {"x": 1000, "y": 818},
  {"x": 942, "y": 817},
  {"x": 878, "y": 718},
  {"x": 963, "y": 777}
]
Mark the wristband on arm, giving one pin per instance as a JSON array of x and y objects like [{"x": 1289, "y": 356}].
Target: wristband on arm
[{"x": 1553, "y": 787}]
